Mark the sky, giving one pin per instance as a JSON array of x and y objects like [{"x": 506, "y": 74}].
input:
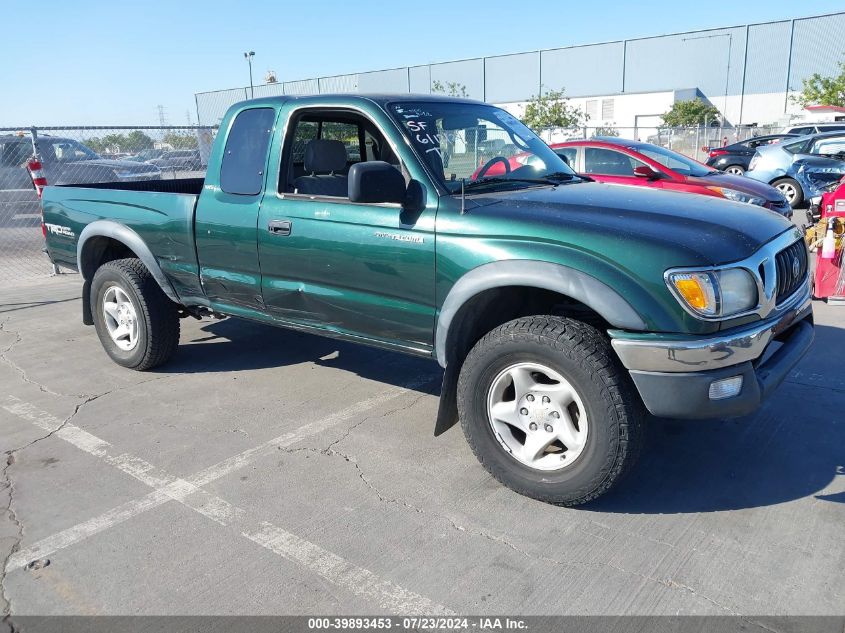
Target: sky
[{"x": 112, "y": 62}]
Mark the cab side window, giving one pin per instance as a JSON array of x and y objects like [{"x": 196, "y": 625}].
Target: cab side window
[
  {"x": 599, "y": 160},
  {"x": 323, "y": 146},
  {"x": 245, "y": 154}
]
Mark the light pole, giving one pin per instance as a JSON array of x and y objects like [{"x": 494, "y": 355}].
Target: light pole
[{"x": 248, "y": 57}]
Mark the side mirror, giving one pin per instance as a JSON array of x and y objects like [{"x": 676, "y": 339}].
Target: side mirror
[
  {"x": 644, "y": 171},
  {"x": 376, "y": 182}
]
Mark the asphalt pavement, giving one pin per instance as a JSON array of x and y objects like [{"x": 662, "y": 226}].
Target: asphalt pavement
[{"x": 271, "y": 472}]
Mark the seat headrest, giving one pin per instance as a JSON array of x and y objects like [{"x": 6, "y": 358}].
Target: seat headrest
[{"x": 323, "y": 155}]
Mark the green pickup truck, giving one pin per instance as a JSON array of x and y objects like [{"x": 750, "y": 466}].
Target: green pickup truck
[{"x": 560, "y": 309}]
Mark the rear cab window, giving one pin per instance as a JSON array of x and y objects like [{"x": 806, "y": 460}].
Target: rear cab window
[{"x": 245, "y": 154}]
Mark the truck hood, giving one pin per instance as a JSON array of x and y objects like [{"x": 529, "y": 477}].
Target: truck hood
[{"x": 709, "y": 230}]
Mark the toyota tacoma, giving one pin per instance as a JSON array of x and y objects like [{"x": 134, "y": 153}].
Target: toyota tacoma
[{"x": 562, "y": 310}]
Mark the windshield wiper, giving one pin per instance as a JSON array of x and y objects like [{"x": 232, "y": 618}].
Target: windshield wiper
[{"x": 493, "y": 180}]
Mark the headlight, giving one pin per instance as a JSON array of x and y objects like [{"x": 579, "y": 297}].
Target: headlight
[
  {"x": 754, "y": 160},
  {"x": 714, "y": 294},
  {"x": 739, "y": 196}
]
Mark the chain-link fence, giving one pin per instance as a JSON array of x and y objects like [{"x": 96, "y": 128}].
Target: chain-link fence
[
  {"x": 76, "y": 155},
  {"x": 695, "y": 142}
]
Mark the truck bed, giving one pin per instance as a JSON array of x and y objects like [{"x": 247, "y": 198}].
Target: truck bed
[{"x": 161, "y": 212}]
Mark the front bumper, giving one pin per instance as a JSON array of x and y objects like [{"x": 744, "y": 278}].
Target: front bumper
[{"x": 674, "y": 375}]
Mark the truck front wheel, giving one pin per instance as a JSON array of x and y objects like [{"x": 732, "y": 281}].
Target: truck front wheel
[
  {"x": 135, "y": 321},
  {"x": 548, "y": 410}
]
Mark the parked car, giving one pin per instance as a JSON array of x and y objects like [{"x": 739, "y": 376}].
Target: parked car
[
  {"x": 778, "y": 164},
  {"x": 146, "y": 155},
  {"x": 802, "y": 129},
  {"x": 734, "y": 158},
  {"x": 64, "y": 161},
  {"x": 181, "y": 160},
  {"x": 625, "y": 162},
  {"x": 560, "y": 309}
]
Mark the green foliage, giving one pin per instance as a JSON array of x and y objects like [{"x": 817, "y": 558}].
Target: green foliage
[
  {"x": 137, "y": 140},
  {"x": 450, "y": 88},
  {"x": 692, "y": 112},
  {"x": 606, "y": 131},
  {"x": 180, "y": 140},
  {"x": 133, "y": 142},
  {"x": 551, "y": 109},
  {"x": 829, "y": 91}
]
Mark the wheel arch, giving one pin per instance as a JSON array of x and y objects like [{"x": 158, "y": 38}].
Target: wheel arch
[
  {"x": 104, "y": 240},
  {"x": 567, "y": 282}
]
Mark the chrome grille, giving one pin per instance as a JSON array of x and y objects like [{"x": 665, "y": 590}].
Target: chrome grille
[{"x": 791, "y": 266}]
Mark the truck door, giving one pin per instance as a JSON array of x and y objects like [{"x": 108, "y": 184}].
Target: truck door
[
  {"x": 227, "y": 212},
  {"x": 360, "y": 269}
]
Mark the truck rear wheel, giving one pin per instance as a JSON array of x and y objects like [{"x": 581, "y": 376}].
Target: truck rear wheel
[
  {"x": 136, "y": 322},
  {"x": 549, "y": 411}
]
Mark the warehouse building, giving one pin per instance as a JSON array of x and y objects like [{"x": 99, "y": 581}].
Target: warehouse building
[{"x": 748, "y": 72}]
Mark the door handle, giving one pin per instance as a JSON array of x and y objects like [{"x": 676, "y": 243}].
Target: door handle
[{"x": 279, "y": 227}]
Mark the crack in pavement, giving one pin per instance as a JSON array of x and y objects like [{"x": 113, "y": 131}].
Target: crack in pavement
[
  {"x": 8, "y": 484},
  {"x": 4, "y": 356},
  {"x": 500, "y": 540}
]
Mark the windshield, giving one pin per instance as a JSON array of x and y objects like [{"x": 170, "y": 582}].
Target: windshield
[
  {"x": 673, "y": 160},
  {"x": 484, "y": 145}
]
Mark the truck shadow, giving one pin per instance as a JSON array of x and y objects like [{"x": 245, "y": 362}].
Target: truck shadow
[
  {"x": 790, "y": 449},
  {"x": 239, "y": 345}
]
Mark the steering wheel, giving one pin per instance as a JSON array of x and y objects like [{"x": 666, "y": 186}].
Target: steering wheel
[{"x": 490, "y": 163}]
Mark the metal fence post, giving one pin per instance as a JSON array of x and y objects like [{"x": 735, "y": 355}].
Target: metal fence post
[{"x": 697, "y": 137}]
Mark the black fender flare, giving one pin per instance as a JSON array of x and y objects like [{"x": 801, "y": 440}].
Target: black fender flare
[
  {"x": 121, "y": 233},
  {"x": 568, "y": 281}
]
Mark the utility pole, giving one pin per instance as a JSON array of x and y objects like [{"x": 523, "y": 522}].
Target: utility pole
[
  {"x": 248, "y": 57},
  {"x": 162, "y": 117}
]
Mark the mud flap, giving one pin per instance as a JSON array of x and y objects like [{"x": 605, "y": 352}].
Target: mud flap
[
  {"x": 87, "y": 316},
  {"x": 447, "y": 412}
]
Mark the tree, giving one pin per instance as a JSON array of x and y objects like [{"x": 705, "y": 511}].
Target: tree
[
  {"x": 180, "y": 140},
  {"x": 606, "y": 131},
  {"x": 451, "y": 88},
  {"x": 551, "y": 109},
  {"x": 137, "y": 140},
  {"x": 829, "y": 91},
  {"x": 95, "y": 143},
  {"x": 691, "y": 112}
]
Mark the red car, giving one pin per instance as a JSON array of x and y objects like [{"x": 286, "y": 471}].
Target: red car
[{"x": 624, "y": 162}]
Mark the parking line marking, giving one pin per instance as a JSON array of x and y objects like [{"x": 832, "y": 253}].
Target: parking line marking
[
  {"x": 86, "y": 529},
  {"x": 231, "y": 464},
  {"x": 343, "y": 573},
  {"x": 324, "y": 563},
  {"x": 138, "y": 468}
]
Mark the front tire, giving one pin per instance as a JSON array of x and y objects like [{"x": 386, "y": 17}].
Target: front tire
[
  {"x": 791, "y": 190},
  {"x": 549, "y": 411},
  {"x": 735, "y": 170},
  {"x": 137, "y": 324}
]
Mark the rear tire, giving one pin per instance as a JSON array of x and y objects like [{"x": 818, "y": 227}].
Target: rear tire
[
  {"x": 791, "y": 190},
  {"x": 602, "y": 427},
  {"x": 137, "y": 324}
]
